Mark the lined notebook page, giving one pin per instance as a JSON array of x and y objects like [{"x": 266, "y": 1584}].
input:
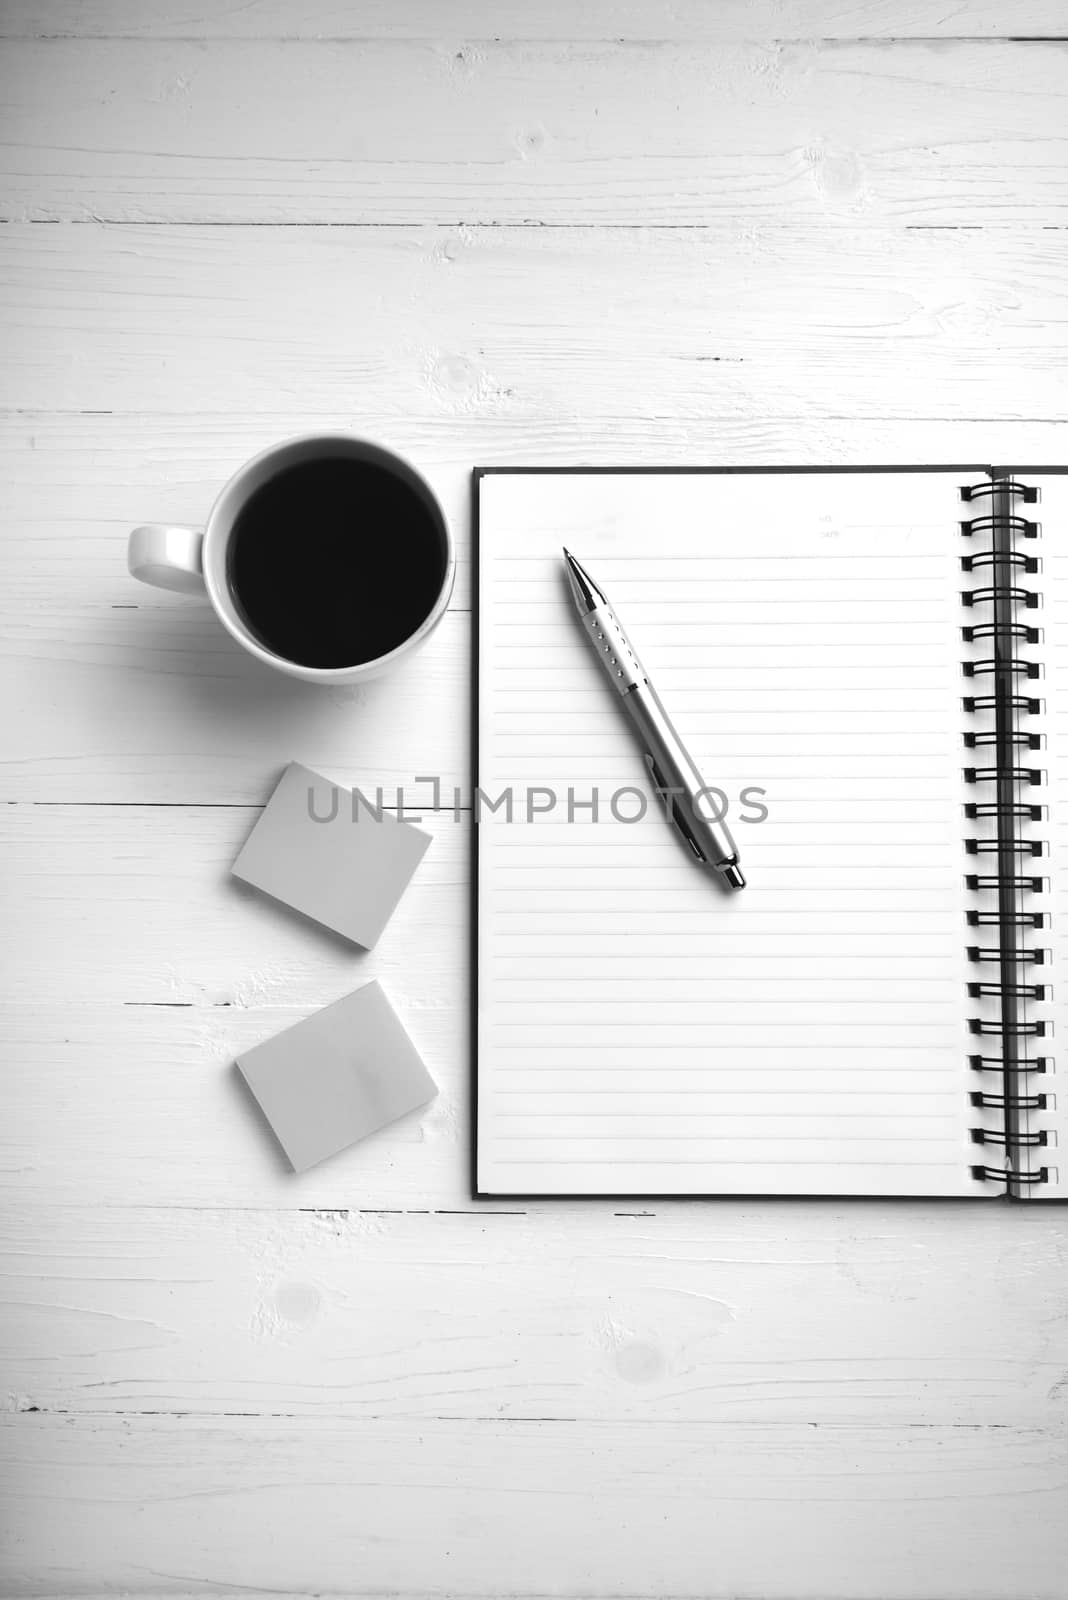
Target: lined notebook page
[{"x": 640, "y": 1030}]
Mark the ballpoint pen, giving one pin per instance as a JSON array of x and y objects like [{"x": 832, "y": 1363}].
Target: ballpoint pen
[{"x": 674, "y": 775}]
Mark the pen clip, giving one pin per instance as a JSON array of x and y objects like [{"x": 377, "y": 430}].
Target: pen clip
[{"x": 674, "y": 810}]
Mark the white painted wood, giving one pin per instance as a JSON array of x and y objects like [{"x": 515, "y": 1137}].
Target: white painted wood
[
  {"x": 745, "y": 1314},
  {"x": 122, "y": 1079},
  {"x": 213, "y": 943},
  {"x": 188, "y": 1505},
  {"x": 404, "y": 323},
  {"x": 721, "y": 21},
  {"x": 334, "y": 1384},
  {"x": 156, "y": 703},
  {"x": 123, "y": 1102},
  {"x": 365, "y": 131}
]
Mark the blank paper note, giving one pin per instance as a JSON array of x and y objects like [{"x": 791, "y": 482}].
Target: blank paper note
[
  {"x": 640, "y": 1031},
  {"x": 322, "y": 851},
  {"x": 337, "y": 1076}
]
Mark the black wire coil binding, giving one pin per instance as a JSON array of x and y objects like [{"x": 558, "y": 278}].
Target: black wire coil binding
[
  {"x": 1032, "y": 775},
  {"x": 1022, "y": 1030},
  {"x": 1025, "y": 492},
  {"x": 990, "y": 558},
  {"x": 1030, "y": 1141},
  {"x": 1029, "y": 958},
  {"x": 988, "y": 702},
  {"x": 974, "y": 882},
  {"x": 991, "y": 847},
  {"x": 991, "y": 919},
  {"x": 1023, "y": 1102},
  {"x": 1021, "y": 669},
  {"x": 1023, "y": 597},
  {"x": 987, "y": 524},
  {"x": 1005, "y": 702},
  {"x": 1022, "y": 741},
  {"x": 997, "y": 1064},
  {"x": 1007, "y": 1176},
  {"x": 1012, "y": 630}
]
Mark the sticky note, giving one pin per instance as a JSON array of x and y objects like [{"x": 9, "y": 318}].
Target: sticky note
[
  {"x": 337, "y": 1076},
  {"x": 331, "y": 855}
]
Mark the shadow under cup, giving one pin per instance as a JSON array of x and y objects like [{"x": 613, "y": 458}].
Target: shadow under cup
[{"x": 337, "y": 558}]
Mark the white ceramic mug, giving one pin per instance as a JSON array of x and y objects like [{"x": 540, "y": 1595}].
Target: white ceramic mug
[{"x": 195, "y": 562}]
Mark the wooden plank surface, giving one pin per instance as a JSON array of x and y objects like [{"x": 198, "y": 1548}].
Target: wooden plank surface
[
  {"x": 165, "y": 970},
  {"x": 628, "y": 230},
  {"x": 384, "y": 132},
  {"x": 384, "y": 325},
  {"x": 164, "y": 708},
  {"x": 599, "y": 20},
  {"x": 545, "y": 1311},
  {"x": 187, "y": 1505}
]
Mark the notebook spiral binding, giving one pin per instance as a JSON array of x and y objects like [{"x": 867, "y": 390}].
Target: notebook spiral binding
[{"x": 1004, "y": 701}]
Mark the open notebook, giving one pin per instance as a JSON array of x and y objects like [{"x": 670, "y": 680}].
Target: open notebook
[{"x": 877, "y": 691}]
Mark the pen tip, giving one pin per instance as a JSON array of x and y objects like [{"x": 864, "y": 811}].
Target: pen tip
[
  {"x": 584, "y": 591},
  {"x": 734, "y": 877}
]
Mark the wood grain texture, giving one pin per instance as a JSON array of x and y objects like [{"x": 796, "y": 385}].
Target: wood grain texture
[
  {"x": 373, "y": 132},
  {"x": 157, "y": 704},
  {"x": 395, "y": 324},
  {"x": 599, "y": 20},
  {"x": 125, "y": 1078},
  {"x": 648, "y": 231},
  {"x": 565, "y": 1313},
  {"x": 195, "y": 1506}
]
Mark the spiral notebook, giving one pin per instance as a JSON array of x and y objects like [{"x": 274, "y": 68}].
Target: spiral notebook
[{"x": 868, "y": 665}]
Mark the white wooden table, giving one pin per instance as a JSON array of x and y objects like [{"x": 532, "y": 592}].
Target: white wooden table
[{"x": 555, "y": 231}]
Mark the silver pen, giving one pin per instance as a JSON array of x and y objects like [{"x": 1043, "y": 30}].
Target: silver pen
[{"x": 674, "y": 775}]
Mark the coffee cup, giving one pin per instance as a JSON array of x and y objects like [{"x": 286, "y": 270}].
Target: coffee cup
[{"x": 326, "y": 557}]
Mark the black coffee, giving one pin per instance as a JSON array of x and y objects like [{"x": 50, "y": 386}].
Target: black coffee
[{"x": 335, "y": 562}]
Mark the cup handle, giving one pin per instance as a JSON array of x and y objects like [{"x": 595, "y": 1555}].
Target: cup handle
[{"x": 168, "y": 557}]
